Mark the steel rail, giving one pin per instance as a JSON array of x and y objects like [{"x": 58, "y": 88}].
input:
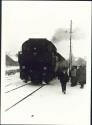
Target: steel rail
[
  {"x": 24, "y": 98},
  {"x": 16, "y": 88}
]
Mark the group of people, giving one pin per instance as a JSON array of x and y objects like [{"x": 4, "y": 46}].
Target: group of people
[{"x": 77, "y": 75}]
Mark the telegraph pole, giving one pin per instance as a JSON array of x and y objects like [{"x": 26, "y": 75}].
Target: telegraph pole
[{"x": 70, "y": 54}]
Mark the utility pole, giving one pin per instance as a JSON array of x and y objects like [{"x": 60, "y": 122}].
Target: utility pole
[{"x": 70, "y": 54}]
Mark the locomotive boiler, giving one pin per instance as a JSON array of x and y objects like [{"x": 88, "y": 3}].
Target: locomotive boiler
[{"x": 39, "y": 60}]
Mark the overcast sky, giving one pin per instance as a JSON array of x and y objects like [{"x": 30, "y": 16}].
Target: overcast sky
[{"x": 22, "y": 20}]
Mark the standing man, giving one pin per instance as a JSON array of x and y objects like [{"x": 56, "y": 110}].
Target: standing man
[
  {"x": 81, "y": 75},
  {"x": 73, "y": 76},
  {"x": 63, "y": 76}
]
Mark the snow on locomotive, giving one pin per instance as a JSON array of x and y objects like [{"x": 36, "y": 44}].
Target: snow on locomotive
[{"x": 38, "y": 60}]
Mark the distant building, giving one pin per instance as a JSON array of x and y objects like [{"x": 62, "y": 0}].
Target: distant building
[{"x": 10, "y": 61}]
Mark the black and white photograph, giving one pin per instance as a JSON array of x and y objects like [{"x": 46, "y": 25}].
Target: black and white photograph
[{"x": 46, "y": 62}]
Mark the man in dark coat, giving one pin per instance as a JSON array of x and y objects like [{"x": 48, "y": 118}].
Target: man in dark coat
[
  {"x": 63, "y": 76},
  {"x": 73, "y": 76},
  {"x": 81, "y": 76}
]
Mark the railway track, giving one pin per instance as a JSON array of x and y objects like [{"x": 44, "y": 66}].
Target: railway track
[
  {"x": 16, "y": 88},
  {"x": 8, "y": 84},
  {"x": 25, "y": 97}
]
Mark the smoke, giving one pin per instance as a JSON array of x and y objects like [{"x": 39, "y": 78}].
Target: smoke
[
  {"x": 63, "y": 34},
  {"x": 60, "y": 34}
]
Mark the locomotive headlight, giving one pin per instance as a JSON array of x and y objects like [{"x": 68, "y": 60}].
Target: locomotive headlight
[
  {"x": 44, "y": 68},
  {"x": 34, "y": 48},
  {"x": 20, "y": 52},
  {"x": 23, "y": 67}
]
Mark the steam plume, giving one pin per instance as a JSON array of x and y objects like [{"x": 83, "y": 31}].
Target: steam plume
[{"x": 63, "y": 34}]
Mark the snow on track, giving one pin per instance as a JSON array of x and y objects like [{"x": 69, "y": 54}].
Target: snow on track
[{"x": 49, "y": 105}]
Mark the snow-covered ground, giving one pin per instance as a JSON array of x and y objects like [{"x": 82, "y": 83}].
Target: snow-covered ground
[{"x": 48, "y": 105}]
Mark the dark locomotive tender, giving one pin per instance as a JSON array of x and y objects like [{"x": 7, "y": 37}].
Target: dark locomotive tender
[{"x": 38, "y": 60}]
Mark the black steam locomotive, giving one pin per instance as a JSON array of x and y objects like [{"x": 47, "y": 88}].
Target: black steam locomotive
[{"x": 38, "y": 60}]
